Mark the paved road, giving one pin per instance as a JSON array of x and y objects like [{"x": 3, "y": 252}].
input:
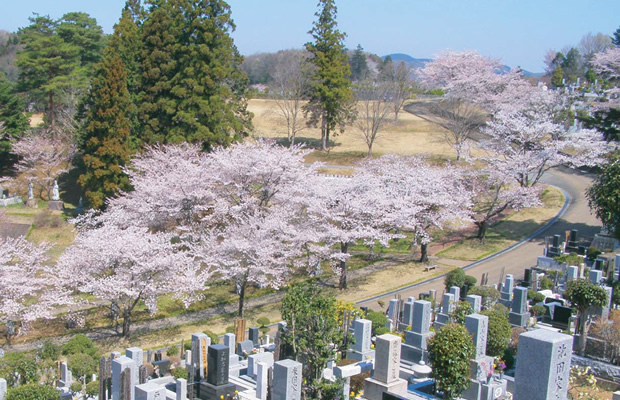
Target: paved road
[{"x": 576, "y": 216}]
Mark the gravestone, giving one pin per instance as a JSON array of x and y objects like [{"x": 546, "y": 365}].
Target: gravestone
[
  {"x": 361, "y": 349},
  {"x": 596, "y": 276},
  {"x": 393, "y": 310},
  {"x": 200, "y": 344},
  {"x": 543, "y": 369},
  {"x": 119, "y": 365},
  {"x": 230, "y": 342},
  {"x": 66, "y": 377},
  {"x": 432, "y": 293},
  {"x": 475, "y": 301},
  {"x": 386, "y": 376},
  {"x": 447, "y": 307},
  {"x": 572, "y": 273},
  {"x": 216, "y": 384},
  {"x": 245, "y": 348},
  {"x": 287, "y": 378},
  {"x": 150, "y": 391},
  {"x": 573, "y": 242},
  {"x": 262, "y": 383},
  {"x": 407, "y": 319},
  {"x": 506, "y": 292},
  {"x": 456, "y": 291},
  {"x": 3, "y": 388},
  {"x": 603, "y": 312},
  {"x": 478, "y": 325},
  {"x": 253, "y": 335},
  {"x": 181, "y": 389},
  {"x": 55, "y": 203},
  {"x": 519, "y": 315},
  {"x": 265, "y": 358},
  {"x": 137, "y": 355},
  {"x": 345, "y": 372},
  {"x": 414, "y": 349}
]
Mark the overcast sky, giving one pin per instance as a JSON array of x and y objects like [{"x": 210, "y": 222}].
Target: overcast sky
[{"x": 518, "y": 32}]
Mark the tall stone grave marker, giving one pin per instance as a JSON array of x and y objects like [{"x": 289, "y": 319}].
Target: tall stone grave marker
[
  {"x": 253, "y": 359},
  {"x": 3, "y": 388},
  {"x": 596, "y": 276},
  {"x": 475, "y": 301},
  {"x": 456, "y": 291},
  {"x": 519, "y": 315},
  {"x": 119, "y": 365},
  {"x": 506, "y": 292},
  {"x": 361, "y": 349},
  {"x": 137, "y": 355},
  {"x": 253, "y": 335},
  {"x": 544, "y": 365},
  {"x": 262, "y": 374},
  {"x": 407, "y": 319},
  {"x": 447, "y": 307},
  {"x": 386, "y": 377},
  {"x": 66, "y": 377},
  {"x": 287, "y": 377},
  {"x": 200, "y": 344},
  {"x": 216, "y": 384},
  {"x": 572, "y": 273},
  {"x": 415, "y": 347}
]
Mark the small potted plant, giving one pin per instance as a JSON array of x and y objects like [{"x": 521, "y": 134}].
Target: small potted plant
[{"x": 500, "y": 366}]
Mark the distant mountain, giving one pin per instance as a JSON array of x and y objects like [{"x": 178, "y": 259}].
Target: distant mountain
[
  {"x": 413, "y": 62},
  {"x": 421, "y": 62}
]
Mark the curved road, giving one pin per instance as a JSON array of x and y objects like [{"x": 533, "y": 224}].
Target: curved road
[{"x": 576, "y": 216}]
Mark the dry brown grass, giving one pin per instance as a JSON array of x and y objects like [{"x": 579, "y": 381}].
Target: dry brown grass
[{"x": 411, "y": 135}]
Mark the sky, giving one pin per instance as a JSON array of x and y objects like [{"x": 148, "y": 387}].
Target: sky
[{"x": 518, "y": 32}]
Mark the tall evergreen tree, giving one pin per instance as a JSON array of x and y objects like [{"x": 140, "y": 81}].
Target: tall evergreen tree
[
  {"x": 193, "y": 86},
  {"x": 105, "y": 145},
  {"x": 359, "y": 66},
  {"x": 13, "y": 122},
  {"x": 615, "y": 38},
  {"x": 81, "y": 30},
  {"x": 47, "y": 64},
  {"x": 331, "y": 98},
  {"x": 557, "y": 77}
]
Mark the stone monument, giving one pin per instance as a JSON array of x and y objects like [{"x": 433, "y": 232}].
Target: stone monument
[
  {"x": 287, "y": 379},
  {"x": 361, "y": 349},
  {"x": 55, "y": 203},
  {"x": 386, "y": 376}
]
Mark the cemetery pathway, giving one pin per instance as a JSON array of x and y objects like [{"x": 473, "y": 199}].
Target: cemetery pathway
[{"x": 514, "y": 261}]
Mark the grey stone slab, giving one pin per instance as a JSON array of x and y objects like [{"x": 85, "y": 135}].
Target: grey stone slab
[
  {"x": 448, "y": 303},
  {"x": 181, "y": 389},
  {"x": 544, "y": 364},
  {"x": 422, "y": 310},
  {"x": 374, "y": 389},
  {"x": 3, "y": 388},
  {"x": 407, "y": 318},
  {"x": 419, "y": 340},
  {"x": 519, "y": 319},
  {"x": 387, "y": 358},
  {"x": 572, "y": 273},
  {"x": 265, "y": 358},
  {"x": 212, "y": 392},
  {"x": 229, "y": 341},
  {"x": 119, "y": 365},
  {"x": 596, "y": 276},
  {"x": 218, "y": 365},
  {"x": 456, "y": 291},
  {"x": 200, "y": 344},
  {"x": 475, "y": 301},
  {"x": 287, "y": 379},
  {"x": 253, "y": 335},
  {"x": 245, "y": 348},
  {"x": 481, "y": 368},
  {"x": 150, "y": 391},
  {"x": 393, "y": 309},
  {"x": 363, "y": 335},
  {"x": 478, "y": 326},
  {"x": 411, "y": 354},
  {"x": 262, "y": 388},
  {"x": 519, "y": 300},
  {"x": 508, "y": 284}
]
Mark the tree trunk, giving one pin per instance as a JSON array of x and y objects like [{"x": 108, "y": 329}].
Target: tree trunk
[
  {"x": 242, "y": 298},
  {"x": 51, "y": 106},
  {"x": 369, "y": 151},
  {"x": 424, "y": 252},
  {"x": 323, "y": 134},
  {"x": 482, "y": 229},
  {"x": 344, "y": 248},
  {"x": 126, "y": 324}
]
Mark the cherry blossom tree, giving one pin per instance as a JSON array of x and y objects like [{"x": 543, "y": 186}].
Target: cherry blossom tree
[
  {"x": 417, "y": 197},
  {"x": 122, "y": 264},
  {"x": 42, "y": 159},
  {"x": 493, "y": 193},
  {"x": 29, "y": 286},
  {"x": 607, "y": 63}
]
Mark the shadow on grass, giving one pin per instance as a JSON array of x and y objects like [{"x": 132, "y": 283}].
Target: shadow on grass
[{"x": 308, "y": 142}]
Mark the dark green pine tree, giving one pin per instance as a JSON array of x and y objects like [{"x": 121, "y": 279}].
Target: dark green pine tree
[
  {"x": 331, "y": 97},
  {"x": 13, "y": 122},
  {"x": 359, "y": 66},
  {"x": 81, "y": 30},
  {"x": 193, "y": 88},
  {"x": 105, "y": 146},
  {"x": 615, "y": 38}
]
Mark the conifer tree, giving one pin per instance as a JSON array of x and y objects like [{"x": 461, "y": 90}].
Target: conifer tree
[
  {"x": 193, "y": 87},
  {"x": 13, "y": 122},
  {"x": 331, "y": 95},
  {"x": 359, "y": 66},
  {"x": 105, "y": 146}
]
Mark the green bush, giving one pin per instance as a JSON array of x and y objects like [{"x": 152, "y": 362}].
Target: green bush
[
  {"x": 22, "y": 363},
  {"x": 76, "y": 387},
  {"x": 229, "y": 329},
  {"x": 179, "y": 372},
  {"x": 80, "y": 344},
  {"x": 187, "y": 345},
  {"x": 215, "y": 339},
  {"x": 32, "y": 391},
  {"x": 450, "y": 350},
  {"x": 378, "y": 320},
  {"x": 489, "y": 295},
  {"x": 263, "y": 322},
  {"x": 92, "y": 389},
  {"x": 535, "y": 296},
  {"x": 592, "y": 253},
  {"x": 545, "y": 283},
  {"x": 48, "y": 351},
  {"x": 509, "y": 359},
  {"x": 499, "y": 333},
  {"x": 456, "y": 277},
  {"x": 173, "y": 350},
  {"x": 82, "y": 365},
  {"x": 538, "y": 310},
  {"x": 570, "y": 259},
  {"x": 462, "y": 309}
]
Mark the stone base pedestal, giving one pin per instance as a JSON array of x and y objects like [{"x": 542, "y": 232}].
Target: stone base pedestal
[
  {"x": 361, "y": 356},
  {"x": 418, "y": 340},
  {"x": 411, "y": 354},
  {"x": 493, "y": 390},
  {"x": 481, "y": 368},
  {"x": 373, "y": 389},
  {"x": 56, "y": 205},
  {"x": 518, "y": 319},
  {"x": 32, "y": 203},
  {"x": 211, "y": 392}
]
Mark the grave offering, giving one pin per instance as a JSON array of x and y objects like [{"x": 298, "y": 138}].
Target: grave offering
[
  {"x": 386, "y": 376},
  {"x": 544, "y": 365},
  {"x": 361, "y": 349},
  {"x": 287, "y": 379}
]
